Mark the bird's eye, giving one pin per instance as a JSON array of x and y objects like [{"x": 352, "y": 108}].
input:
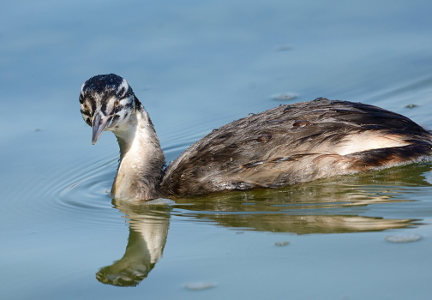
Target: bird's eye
[
  {"x": 116, "y": 103},
  {"x": 85, "y": 106}
]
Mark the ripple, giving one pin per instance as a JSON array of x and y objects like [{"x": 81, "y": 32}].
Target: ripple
[{"x": 82, "y": 190}]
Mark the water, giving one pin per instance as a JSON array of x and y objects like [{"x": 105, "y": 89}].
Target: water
[{"x": 197, "y": 65}]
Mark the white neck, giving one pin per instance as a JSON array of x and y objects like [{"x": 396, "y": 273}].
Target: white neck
[{"x": 141, "y": 159}]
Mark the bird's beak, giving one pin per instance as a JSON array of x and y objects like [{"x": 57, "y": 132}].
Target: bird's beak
[{"x": 100, "y": 122}]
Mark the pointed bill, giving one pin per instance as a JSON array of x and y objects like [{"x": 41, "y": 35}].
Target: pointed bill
[{"x": 99, "y": 125}]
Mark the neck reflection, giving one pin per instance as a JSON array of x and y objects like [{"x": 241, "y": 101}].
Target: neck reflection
[{"x": 148, "y": 229}]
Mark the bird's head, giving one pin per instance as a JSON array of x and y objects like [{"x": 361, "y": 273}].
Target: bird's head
[{"x": 107, "y": 102}]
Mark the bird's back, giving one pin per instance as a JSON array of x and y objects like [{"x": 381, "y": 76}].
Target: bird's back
[{"x": 296, "y": 143}]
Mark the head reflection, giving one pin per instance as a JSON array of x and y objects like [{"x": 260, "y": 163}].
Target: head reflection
[{"x": 148, "y": 229}]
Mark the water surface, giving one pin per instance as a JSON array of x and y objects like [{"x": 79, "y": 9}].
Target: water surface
[{"x": 195, "y": 66}]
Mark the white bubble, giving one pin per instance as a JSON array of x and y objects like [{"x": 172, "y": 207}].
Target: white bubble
[
  {"x": 403, "y": 238},
  {"x": 199, "y": 286}
]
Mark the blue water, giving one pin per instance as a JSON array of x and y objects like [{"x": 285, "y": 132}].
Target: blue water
[{"x": 197, "y": 65}]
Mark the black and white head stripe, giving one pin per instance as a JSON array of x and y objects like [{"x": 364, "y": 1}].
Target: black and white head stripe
[
  {"x": 110, "y": 95},
  {"x": 107, "y": 85}
]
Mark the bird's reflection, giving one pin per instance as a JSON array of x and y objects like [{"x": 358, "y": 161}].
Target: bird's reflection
[
  {"x": 148, "y": 229},
  {"x": 338, "y": 205},
  {"x": 335, "y": 205}
]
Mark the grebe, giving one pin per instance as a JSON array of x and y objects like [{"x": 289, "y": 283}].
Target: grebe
[{"x": 285, "y": 145}]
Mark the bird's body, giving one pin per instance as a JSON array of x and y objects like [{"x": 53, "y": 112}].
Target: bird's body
[
  {"x": 285, "y": 145},
  {"x": 296, "y": 143}
]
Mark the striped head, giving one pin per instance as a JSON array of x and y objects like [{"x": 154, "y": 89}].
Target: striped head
[{"x": 107, "y": 101}]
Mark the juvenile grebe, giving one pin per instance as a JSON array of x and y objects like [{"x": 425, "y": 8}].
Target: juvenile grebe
[{"x": 285, "y": 145}]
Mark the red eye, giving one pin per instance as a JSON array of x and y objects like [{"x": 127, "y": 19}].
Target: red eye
[{"x": 116, "y": 104}]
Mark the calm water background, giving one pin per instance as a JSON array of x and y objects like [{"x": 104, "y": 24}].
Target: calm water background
[{"x": 196, "y": 65}]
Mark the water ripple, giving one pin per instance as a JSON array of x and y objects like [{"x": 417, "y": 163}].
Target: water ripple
[{"x": 84, "y": 191}]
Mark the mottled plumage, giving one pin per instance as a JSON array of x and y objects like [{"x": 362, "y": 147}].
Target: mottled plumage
[
  {"x": 285, "y": 145},
  {"x": 296, "y": 143}
]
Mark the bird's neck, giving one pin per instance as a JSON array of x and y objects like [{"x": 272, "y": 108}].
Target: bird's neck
[{"x": 141, "y": 159}]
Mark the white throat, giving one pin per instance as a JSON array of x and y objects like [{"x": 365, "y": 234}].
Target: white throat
[{"x": 141, "y": 159}]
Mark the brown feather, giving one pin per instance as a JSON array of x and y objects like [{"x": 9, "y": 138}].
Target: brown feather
[{"x": 296, "y": 143}]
